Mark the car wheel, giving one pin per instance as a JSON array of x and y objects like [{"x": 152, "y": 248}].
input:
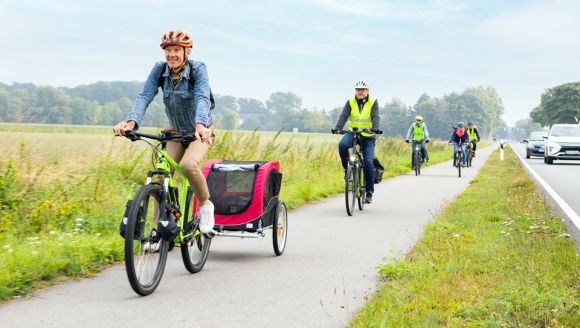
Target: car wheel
[
  {"x": 549, "y": 160},
  {"x": 528, "y": 155}
]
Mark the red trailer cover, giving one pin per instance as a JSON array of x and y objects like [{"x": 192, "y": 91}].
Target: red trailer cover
[{"x": 256, "y": 206}]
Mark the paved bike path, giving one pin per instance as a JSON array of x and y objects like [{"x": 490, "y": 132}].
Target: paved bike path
[{"x": 324, "y": 276}]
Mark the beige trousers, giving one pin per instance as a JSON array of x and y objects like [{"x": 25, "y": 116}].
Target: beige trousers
[{"x": 189, "y": 158}]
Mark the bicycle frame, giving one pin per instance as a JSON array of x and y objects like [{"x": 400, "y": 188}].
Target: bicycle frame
[
  {"x": 459, "y": 157},
  {"x": 356, "y": 159},
  {"x": 417, "y": 157},
  {"x": 164, "y": 164}
]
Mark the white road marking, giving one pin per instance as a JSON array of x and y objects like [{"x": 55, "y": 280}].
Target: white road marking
[{"x": 563, "y": 205}]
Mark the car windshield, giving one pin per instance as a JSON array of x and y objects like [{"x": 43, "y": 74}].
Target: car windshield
[
  {"x": 566, "y": 131},
  {"x": 537, "y": 136}
]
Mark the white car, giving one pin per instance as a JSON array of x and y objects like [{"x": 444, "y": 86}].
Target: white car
[{"x": 563, "y": 142}]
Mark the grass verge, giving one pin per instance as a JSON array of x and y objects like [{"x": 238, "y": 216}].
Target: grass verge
[{"x": 496, "y": 257}]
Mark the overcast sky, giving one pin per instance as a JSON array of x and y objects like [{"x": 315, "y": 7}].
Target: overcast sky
[{"x": 314, "y": 48}]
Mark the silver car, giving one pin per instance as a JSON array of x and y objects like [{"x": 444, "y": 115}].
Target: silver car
[{"x": 563, "y": 142}]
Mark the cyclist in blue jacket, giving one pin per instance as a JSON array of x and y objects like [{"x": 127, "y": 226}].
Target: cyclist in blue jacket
[
  {"x": 459, "y": 136},
  {"x": 187, "y": 96}
]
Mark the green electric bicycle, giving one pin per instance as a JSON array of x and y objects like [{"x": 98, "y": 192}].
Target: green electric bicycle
[{"x": 160, "y": 218}]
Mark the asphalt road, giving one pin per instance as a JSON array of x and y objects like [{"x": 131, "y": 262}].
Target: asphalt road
[
  {"x": 327, "y": 272},
  {"x": 563, "y": 177}
]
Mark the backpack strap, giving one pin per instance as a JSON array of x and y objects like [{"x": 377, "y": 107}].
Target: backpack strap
[
  {"x": 161, "y": 83},
  {"x": 161, "y": 80}
]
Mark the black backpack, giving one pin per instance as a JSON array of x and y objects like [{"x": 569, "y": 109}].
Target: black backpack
[
  {"x": 191, "y": 82},
  {"x": 379, "y": 170}
]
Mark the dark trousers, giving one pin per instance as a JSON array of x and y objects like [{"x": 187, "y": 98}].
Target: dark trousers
[
  {"x": 368, "y": 150},
  {"x": 473, "y": 145}
]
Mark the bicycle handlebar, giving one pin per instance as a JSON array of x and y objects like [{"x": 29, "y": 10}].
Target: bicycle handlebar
[
  {"x": 134, "y": 136},
  {"x": 356, "y": 131}
]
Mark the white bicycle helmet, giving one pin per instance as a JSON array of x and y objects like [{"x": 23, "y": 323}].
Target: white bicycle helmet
[{"x": 361, "y": 85}]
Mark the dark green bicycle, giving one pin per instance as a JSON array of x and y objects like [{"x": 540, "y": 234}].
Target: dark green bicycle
[{"x": 354, "y": 188}]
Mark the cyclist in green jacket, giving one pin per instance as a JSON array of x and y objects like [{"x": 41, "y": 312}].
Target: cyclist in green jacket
[{"x": 419, "y": 134}]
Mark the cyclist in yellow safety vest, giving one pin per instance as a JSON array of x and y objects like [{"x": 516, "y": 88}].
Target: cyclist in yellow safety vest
[
  {"x": 363, "y": 112},
  {"x": 473, "y": 136},
  {"x": 419, "y": 134}
]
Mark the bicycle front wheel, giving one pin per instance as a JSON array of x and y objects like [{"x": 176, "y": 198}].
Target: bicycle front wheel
[
  {"x": 361, "y": 193},
  {"x": 459, "y": 163},
  {"x": 145, "y": 250},
  {"x": 417, "y": 163},
  {"x": 350, "y": 189}
]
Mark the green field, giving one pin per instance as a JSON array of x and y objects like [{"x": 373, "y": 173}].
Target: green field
[
  {"x": 63, "y": 190},
  {"x": 496, "y": 257}
]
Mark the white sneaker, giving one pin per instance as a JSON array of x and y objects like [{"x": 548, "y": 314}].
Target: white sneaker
[
  {"x": 207, "y": 220},
  {"x": 149, "y": 247},
  {"x": 152, "y": 245}
]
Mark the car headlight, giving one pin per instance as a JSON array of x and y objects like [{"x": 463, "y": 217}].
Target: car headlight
[{"x": 553, "y": 147}]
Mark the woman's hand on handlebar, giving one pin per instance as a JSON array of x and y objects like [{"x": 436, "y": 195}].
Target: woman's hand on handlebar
[
  {"x": 122, "y": 127},
  {"x": 202, "y": 132}
]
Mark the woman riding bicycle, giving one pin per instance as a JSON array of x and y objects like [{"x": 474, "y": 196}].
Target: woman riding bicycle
[
  {"x": 459, "y": 137},
  {"x": 363, "y": 112},
  {"x": 186, "y": 94}
]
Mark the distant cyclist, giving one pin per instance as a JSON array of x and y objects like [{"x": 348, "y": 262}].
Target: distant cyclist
[
  {"x": 363, "y": 112},
  {"x": 419, "y": 134},
  {"x": 186, "y": 93},
  {"x": 473, "y": 136},
  {"x": 459, "y": 136}
]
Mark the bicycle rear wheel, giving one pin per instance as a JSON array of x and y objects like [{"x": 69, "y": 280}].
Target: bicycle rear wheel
[
  {"x": 350, "y": 189},
  {"x": 470, "y": 159},
  {"x": 195, "y": 245},
  {"x": 145, "y": 250},
  {"x": 195, "y": 248},
  {"x": 361, "y": 190}
]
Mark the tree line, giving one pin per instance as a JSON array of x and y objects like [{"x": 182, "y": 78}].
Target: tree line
[
  {"x": 106, "y": 103},
  {"x": 560, "y": 104}
]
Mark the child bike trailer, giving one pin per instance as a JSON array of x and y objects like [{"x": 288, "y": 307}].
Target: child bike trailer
[{"x": 245, "y": 195}]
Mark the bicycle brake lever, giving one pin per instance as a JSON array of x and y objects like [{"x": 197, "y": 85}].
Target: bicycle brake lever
[{"x": 131, "y": 136}]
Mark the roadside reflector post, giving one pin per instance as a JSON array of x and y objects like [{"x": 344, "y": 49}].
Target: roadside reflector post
[{"x": 501, "y": 143}]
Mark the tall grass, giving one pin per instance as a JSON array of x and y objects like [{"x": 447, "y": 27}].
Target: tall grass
[{"x": 62, "y": 193}]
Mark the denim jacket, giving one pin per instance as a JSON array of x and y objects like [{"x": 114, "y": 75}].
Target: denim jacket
[{"x": 184, "y": 106}]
